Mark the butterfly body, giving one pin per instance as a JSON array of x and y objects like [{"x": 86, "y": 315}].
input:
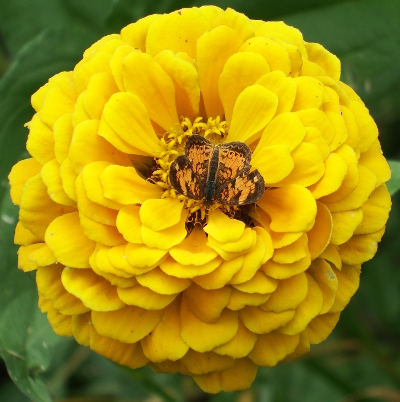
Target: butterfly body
[{"x": 216, "y": 173}]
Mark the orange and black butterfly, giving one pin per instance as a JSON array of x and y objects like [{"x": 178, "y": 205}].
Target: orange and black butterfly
[{"x": 216, "y": 173}]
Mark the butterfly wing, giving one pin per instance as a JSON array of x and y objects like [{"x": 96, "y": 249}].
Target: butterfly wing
[
  {"x": 245, "y": 188},
  {"x": 198, "y": 152},
  {"x": 184, "y": 180},
  {"x": 233, "y": 158}
]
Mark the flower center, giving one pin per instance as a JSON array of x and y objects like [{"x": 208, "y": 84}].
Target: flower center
[{"x": 173, "y": 142}]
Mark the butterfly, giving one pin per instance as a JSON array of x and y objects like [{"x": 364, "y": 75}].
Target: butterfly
[{"x": 216, "y": 173}]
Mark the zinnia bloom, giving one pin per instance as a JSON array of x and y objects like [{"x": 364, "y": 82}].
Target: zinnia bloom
[{"x": 143, "y": 273}]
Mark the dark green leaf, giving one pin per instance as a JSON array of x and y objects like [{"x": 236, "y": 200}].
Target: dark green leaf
[
  {"x": 26, "y": 338},
  {"x": 393, "y": 184},
  {"x": 51, "y": 52}
]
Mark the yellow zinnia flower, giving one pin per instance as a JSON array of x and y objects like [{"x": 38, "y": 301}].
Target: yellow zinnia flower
[{"x": 150, "y": 261}]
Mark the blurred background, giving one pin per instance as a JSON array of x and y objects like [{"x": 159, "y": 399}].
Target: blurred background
[{"x": 360, "y": 361}]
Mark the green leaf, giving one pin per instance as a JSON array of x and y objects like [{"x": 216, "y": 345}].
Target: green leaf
[
  {"x": 393, "y": 184},
  {"x": 49, "y": 53},
  {"x": 22, "y": 20},
  {"x": 365, "y": 36},
  {"x": 26, "y": 338}
]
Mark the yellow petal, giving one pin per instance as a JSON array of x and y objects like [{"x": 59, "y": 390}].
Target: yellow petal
[
  {"x": 24, "y": 237},
  {"x": 221, "y": 275},
  {"x": 352, "y": 177},
  {"x": 92, "y": 210},
  {"x": 320, "y": 234},
  {"x": 145, "y": 78},
  {"x": 283, "y": 271},
  {"x": 186, "y": 82},
  {"x": 341, "y": 132},
  {"x": 222, "y": 228},
  {"x": 48, "y": 280},
  {"x": 142, "y": 256},
  {"x": 37, "y": 210},
  {"x": 130, "y": 355},
  {"x": 236, "y": 378},
  {"x": 283, "y": 87},
  {"x": 164, "y": 342},
  {"x": 207, "y": 305},
  {"x": 194, "y": 250},
  {"x": 328, "y": 61},
  {"x": 307, "y": 310},
  {"x": 23, "y": 261},
  {"x": 278, "y": 239},
  {"x": 20, "y": 173},
  {"x": 263, "y": 322},
  {"x": 81, "y": 328},
  {"x": 344, "y": 225},
  {"x": 376, "y": 163},
  {"x": 55, "y": 103},
  {"x": 358, "y": 196},
  {"x": 161, "y": 214},
  {"x": 238, "y": 21},
  {"x": 288, "y": 295},
  {"x": 240, "y": 345},
  {"x": 321, "y": 327},
  {"x": 67, "y": 241},
  {"x": 272, "y": 348},
  {"x": 62, "y": 131},
  {"x": 259, "y": 283},
  {"x": 317, "y": 119},
  {"x": 375, "y": 211},
  {"x": 143, "y": 297},
  {"x": 129, "y": 324},
  {"x": 127, "y": 116},
  {"x": 42, "y": 256},
  {"x": 252, "y": 261},
  {"x": 335, "y": 172},
  {"x": 293, "y": 252},
  {"x": 273, "y": 162},
  {"x": 351, "y": 123},
  {"x": 79, "y": 114},
  {"x": 135, "y": 34},
  {"x": 203, "y": 337},
  {"x": 240, "y": 299},
  {"x": 125, "y": 186},
  {"x": 254, "y": 109},
  {"x": 129, "y": 224},
  {"x": 200, "y": 363},
  {"x": 61, "y": 323},
  {"x": 100, "y": 87},
  {"x": 166, "y": 238},
  {"x": 91, "y": 180},
  {"x": 309, "y": 94},
  {"x": 332, "y": 255},
  {"x": 348, "y": 281},
  {"x": 241, "y": 70},
  {"x": 276, "y": 55},
  {"x": 159, "y": 282},
  {"x": 302, "y": 348},
  {"x": 51, "y": 177},
  {"x": 166, "y": 32},
  {"x": 173, "y": 268},
  {"x": 210, "y": 12},
  {"x": 68, "y": 178},
  {"x": 314, "y": 136},
  {"x": 213, "y": 50},
  {"x": 360, "y": 248},
  {"x": 288, "y": 216},
  {"x": 327, "y": 281},
  {"x": 366, "y": 125},
  {"x": 99, "y": 232},
  {"x": 285, "y": 129},
  {"x": 308, "y": 166},
  {"x": 243, "y": 243},
  {"x": 87, "y": 147},
  {"x": 95, "y": 292}
]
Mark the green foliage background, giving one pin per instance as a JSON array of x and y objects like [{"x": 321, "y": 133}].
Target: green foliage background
[{"x": 361, "y": 359}]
